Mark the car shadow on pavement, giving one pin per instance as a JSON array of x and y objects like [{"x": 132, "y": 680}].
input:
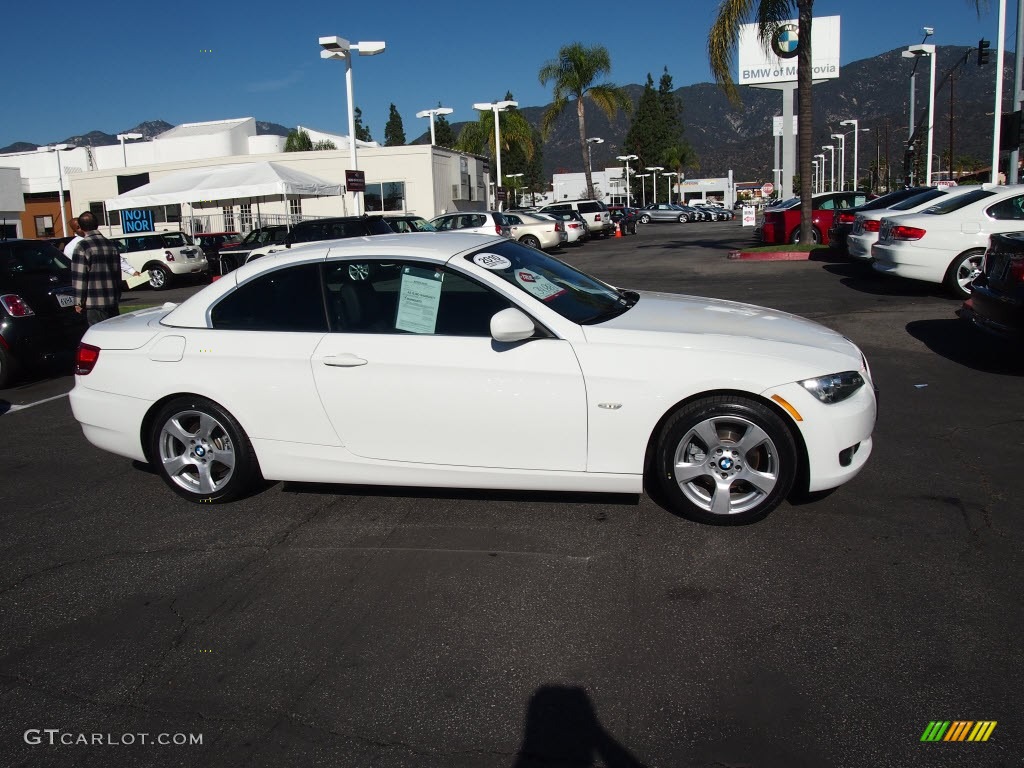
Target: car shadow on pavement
[
  {"x": 957, "y": 341},
  {"x": 562, "y": 729},
  {"x": 860, "y": 277},
  {"x": 471, "y": 494},
  {"x": 711, "y": 245}
]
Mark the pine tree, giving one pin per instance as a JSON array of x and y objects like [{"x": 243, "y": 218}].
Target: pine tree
[
  {"x": 362, "y": 132},
  {"x": 394, "y": 132},
  {"x": 645, "y": 137},
  {"x": 298, "y": 141},
  {"x": 443, "y": 131}
]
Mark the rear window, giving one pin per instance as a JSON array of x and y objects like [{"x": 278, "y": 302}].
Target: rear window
[
  {"x": 24, "y": 258},
  {"x": 916, "y": 200},
  {"x": 957, "y": 202},
  {"x": 592, "y": 206},
  {"x": 891, "y": 199}
]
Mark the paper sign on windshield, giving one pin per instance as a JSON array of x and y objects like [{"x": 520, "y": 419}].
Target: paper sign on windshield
[
  {"x": 492, "y": 261},
  {"x": 537, "y": 285},
  {"x": 418, "y": 299}
]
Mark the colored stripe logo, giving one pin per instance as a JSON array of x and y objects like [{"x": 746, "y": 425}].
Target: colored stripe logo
[{"x": 958, "y": 730}]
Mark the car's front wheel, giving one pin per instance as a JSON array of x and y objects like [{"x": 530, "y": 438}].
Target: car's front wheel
[
  {"x": 645, "y": 219},
  {"x": 963, "y": 270},
  {"x": 159, "y": 277},
  {"x": 725, "y": 460},
  {"x": 201, "y": 451}
]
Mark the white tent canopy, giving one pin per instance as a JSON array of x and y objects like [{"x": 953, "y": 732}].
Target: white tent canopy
[{"x": 231, "y": 182}]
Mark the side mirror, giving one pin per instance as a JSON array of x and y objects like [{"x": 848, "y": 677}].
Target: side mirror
[{"x": 511, "y": 325}]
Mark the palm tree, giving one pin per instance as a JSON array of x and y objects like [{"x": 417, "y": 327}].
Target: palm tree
[
  {"x": 769, "y": 15},
  {"x": 679, "y": 157},
  {"x": 574, "y": 73},
  {"x": 478, "y": 137}
]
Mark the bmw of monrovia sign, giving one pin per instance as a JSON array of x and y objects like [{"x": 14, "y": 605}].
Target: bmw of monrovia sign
[{"x": 778, "y": 64}]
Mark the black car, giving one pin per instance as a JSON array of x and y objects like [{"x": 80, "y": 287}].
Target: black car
[
  {"x": 233, "y": 256},
  {"x": 624, "y": 218},
  {"x": 335, "y": 228},
  {"x": 38, "y": 322},
  {"x": 996, "y": 304},
  {"x": 409, "y": 223},
  {"x": 842, "y": 224}
]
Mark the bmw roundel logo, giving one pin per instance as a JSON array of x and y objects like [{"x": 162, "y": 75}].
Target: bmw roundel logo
[
  {"x": 786, "y": 42},
  {"x": 200, "y": 451},
  {"x": 725, "y": 464}
]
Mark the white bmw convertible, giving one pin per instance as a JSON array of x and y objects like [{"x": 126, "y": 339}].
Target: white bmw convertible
[{"x": 458, "y": 360}]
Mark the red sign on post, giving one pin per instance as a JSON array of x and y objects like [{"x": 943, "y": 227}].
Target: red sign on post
[
  {"x": 501, "y": 194},
  {"x": 767, "y": 188},
  {"x": 355, "y": 181}
]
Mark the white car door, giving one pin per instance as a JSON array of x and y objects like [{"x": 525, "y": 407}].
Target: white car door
[{"x": 410, "y": 373}]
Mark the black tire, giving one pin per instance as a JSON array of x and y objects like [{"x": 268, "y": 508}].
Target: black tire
[
  {"x": 794, "y": 236},
  {"x": 961, "y": 270},
  {"x": 215, "y": 458},
  {"x": 753, "y": 454},
  {"x": 683, "y": 218},
  {"x": 8, "y": 370},
  {"x": 159, "y": 277},
  {"x": 530, "y": 241},
  {"x": 645, "y": 219}
]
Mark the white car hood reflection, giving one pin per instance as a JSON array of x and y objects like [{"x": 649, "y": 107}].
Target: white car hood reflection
[{"x": 699, "y": 321}]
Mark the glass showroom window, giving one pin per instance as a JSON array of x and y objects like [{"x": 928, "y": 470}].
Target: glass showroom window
[
  {"x": 44, "y": 226},
  {"x": 110, "y": 218},
  {"x": 245, "y": 214},
  {"x": 295, "y": 210},
  {"x": 229, "y": 218},
  {"x": 386, "y": 196}
]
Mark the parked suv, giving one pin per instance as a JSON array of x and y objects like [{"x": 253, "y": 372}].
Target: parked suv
[
  {"x": 594, "y": 211},
  {"x": 165, "y": 255},
  {"x": 234, "y": 256},
  {"x": 481, "y": 222},
  {"x": 326, "y": 229}
]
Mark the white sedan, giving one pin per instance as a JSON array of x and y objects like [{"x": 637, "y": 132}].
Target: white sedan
[
  {"x": 474, "y": 361},
  {"x": 945, "y": 243}
]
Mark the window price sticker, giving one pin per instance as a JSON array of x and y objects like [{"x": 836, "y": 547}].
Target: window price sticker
[
  {"x": 491, "y": 261},
  {"x": 537, "y": 285}
]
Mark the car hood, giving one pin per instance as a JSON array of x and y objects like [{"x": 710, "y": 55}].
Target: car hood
[{"x": 665, "y": 319}]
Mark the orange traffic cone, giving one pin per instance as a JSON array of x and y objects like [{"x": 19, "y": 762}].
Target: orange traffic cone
[{"x": 618, "y": 229}]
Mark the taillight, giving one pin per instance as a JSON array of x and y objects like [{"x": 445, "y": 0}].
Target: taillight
[
  {"x": 901, "y": 232},
  {"x": 1015, "y": 272},
  {"x": 558, "y": 226},
  {"x": 170, "y": 256},
  {"x": 872, "y": 225},
  {"x": 85, "y": 359},
  {"x": 498, "y": 231},
  {"x": 15, "y": 305},
  {"x": 597, "y": 217},
  {"x": 846, "y": 218},
  {"x": 574, "y": 226}
]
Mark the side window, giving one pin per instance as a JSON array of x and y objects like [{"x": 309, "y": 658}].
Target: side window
[
  {"x": 409, "y": 297},
  {"x": 476, "y": 220},
  {"x": 827, "y": 205},
  {"x": 287, "y": 299},
  {"x": 512, "y": 219},
  {"x": 1011, "y": 208},
  {"x": 150, "y": 243}
]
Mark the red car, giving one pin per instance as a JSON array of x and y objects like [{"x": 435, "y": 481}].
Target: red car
[{"x": 781, "y": 223}]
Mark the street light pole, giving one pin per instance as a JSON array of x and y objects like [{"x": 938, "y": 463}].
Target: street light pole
[
  {"x": 831, "y": 168},
  {"x": 821, "y": 169},
  {"x": 666, "y": 176},
  {"x": 856, "y": 147},
  {"x": 496, "y": 107},
  {"x": 121, "y": 137},
  {"x": 842, "y": 159},
  {"x": 625, "y": 160},
  {"x": 654, "y": 180},
  {"x": 590, "y": 162},
  {"x": 430, "y": 113},
  {"x": 643, "y": 188},
  {"x": 335, "y": 47},
  {"x": 56, "y": 148}
]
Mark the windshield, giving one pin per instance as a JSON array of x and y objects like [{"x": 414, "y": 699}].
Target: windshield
[
  {"x": 32, "y": 258},
  {"x": 572, "y": 294},
  {"x": 957, "y": 202}
]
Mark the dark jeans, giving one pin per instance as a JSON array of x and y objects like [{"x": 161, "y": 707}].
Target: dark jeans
[{"x": 98, "y": 315}]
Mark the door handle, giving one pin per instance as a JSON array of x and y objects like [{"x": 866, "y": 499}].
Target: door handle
[{"x": 344, "y": 360}]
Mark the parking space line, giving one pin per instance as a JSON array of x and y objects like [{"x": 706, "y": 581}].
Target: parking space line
[{"x": 14, "y": 408}]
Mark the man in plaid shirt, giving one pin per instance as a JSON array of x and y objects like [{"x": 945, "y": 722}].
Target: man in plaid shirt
[{"x": 95, "y": 273}]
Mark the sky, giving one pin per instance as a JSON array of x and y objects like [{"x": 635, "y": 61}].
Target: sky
[{"x": 130, "y": 63}]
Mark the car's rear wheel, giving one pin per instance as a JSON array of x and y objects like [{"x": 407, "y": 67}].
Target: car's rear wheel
[
  {"x": 159, "y": 277},
  {"x": 7, "y": 371},
  {"x": 645, "y": 219},
  {"x": 963, "y": 270},
  {"x": 794, "y": 236},
  {"x": 530, "y": 240},
  {"x": 725, "y": 460},
  {"x": 201, "y": 452}
]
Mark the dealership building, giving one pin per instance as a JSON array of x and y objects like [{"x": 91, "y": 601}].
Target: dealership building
[{"x": 419, "y": 179}]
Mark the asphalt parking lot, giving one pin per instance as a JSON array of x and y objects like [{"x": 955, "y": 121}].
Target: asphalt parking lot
[{"x": 357, "y": 626}]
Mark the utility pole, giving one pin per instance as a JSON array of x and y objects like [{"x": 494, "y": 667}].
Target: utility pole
[
  {"x": 888, "y": 179},
  {"x": 952, "y": 80},
  {"x": 1018, "y": 92}
]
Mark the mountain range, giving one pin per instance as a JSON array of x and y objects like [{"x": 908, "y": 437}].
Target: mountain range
[{"x": 727, "y": 136}]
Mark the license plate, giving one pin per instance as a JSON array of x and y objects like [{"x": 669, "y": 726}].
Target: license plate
[
  {"x": 65, "y": 301},
  {"x": 884, "y": 234}
]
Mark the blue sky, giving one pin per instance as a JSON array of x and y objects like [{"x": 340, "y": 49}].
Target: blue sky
[{"x": 179, "y": 63}]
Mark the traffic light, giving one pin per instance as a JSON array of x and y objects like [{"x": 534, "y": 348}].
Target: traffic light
[{"x": 983, "y": 52}]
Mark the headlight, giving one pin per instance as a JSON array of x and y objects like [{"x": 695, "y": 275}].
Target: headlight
[{"x": 834, "y": 387}]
